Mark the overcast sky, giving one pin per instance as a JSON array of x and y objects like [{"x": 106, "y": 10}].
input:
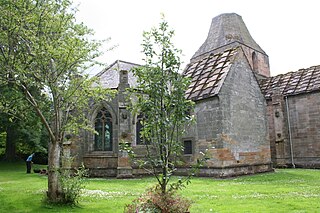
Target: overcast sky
[{"x": 287, "y": 30}]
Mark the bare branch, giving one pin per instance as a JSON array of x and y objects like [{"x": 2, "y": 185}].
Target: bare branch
[{"x": 33, "y": 102}]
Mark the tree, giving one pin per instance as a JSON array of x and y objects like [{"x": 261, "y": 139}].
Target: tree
[
  {"x": 44, "y": 51},
  {"x": 23, "y": 130},
  {"x": 160, "y": 96}
]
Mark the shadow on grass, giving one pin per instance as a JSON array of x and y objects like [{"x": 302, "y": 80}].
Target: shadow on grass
[{"x": 54, "y": 207}]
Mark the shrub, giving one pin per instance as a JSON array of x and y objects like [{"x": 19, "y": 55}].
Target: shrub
[
  {"x": 72, "y": 183},
  {"x": 156, "y": 202}
]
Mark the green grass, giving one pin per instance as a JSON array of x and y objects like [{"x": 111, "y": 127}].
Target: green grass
[{"x": 285, "y": 190}]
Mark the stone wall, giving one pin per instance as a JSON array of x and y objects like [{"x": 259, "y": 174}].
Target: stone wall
[
  {"x": 115, "y": 162},
  {"x": 245, "y": 131},
  {"x": 99, "y": 163},
  {"x": 278, "y": 130},
  {"x": 304, "y": 118},
  {"x": 304, "y": 112},
  {"x": 258, "y": 61},
  {"x": 204, "y": 132},
  {"x": 232, "y": 127}
]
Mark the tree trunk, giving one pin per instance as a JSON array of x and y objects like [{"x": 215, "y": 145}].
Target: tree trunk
[
  {"x": 54, "y": 189},
  {"x": 10, "y": 152}
]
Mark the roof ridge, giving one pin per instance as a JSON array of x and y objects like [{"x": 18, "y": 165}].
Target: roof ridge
[
  {"x": 105, "y": 69},
  {"x": 301, "y": 69},
  {"x": 223, "y": 48},
  {"x": 114, "y": 63},
  {"x": 127, "y": 62}
]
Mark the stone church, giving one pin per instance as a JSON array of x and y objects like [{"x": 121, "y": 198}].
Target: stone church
[{"x": 246, "y": 120}]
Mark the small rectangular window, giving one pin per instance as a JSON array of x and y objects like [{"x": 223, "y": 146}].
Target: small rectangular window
[{"x": 187, "y": 144}]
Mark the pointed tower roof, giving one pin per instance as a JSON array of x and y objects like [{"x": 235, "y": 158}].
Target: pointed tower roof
[{"x": 225, "y": 29}]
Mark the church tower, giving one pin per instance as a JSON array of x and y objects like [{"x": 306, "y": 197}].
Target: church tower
[{"x": 228, "y": 30}]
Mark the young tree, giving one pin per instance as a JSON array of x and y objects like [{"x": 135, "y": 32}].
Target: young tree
[
  {"x": 43, "y": 52},
  {"x": 161, "y": 99}
]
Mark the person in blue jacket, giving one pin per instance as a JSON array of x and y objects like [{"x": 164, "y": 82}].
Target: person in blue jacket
[{"x": 29, "y": 162}]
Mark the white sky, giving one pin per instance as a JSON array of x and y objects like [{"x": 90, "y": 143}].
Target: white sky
[{"x": 287, "y": 30}]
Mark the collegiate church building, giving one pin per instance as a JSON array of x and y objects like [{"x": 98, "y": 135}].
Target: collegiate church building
[{"x": 246, "y": 120}]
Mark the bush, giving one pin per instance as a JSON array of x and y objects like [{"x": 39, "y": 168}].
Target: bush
[
  {"x": 40, "y": 158},
  {"x": 72, "y": 183},
  {"x": 156, "y": 202}
]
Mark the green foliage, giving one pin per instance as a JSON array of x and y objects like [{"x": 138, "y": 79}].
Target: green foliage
[
  {"x": 160, "y": 96},
  {"x": 126, "y": 147},
  {"x": 155, "y": 201},
  {"x": 44, "y": 53},
  {"x": 17, "y": 117},
  {"x": 2, "y": 143},
  {"x": 73, "y": 183}
]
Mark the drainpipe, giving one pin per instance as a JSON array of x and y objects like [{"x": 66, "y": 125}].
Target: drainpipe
[{"x": 290, "y": 138}]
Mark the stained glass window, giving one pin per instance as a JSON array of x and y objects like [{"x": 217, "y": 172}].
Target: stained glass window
[{"x": 103, "y": 125}]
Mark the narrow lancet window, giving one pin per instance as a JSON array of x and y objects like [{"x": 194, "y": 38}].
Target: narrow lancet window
[
  {"x": 139, "y": 127},
  {"x": 103, "y": 126},
  {"x": 255, "y": 62}
]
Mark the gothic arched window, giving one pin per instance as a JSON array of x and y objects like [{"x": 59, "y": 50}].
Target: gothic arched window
[{"x": 103, "y": 125}]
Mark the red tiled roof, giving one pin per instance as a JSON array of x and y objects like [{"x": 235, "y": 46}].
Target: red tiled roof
[
  {"x": 292, "y": 83},
  {"x": 207, "y": 74}
]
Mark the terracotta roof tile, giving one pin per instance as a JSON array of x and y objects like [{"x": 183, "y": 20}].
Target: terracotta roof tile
[
  {"x": 207, "y": 74},
  {"x": 292, "y": 83}
]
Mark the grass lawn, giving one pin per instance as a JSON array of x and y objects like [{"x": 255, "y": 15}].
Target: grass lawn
[{"x": 285, "y": 190}]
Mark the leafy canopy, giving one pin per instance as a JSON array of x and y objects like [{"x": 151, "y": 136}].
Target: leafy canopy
[{"x": 44, "y": 52}]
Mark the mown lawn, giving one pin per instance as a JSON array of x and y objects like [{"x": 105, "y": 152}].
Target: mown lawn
[{"x": 285, "y": 190}]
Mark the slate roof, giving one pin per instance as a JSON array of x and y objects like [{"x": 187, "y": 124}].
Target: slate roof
[
  {"x": 109, "y": 77},
  {"x": 292, "y": 83},
  {"x": 208, "y": 74}
]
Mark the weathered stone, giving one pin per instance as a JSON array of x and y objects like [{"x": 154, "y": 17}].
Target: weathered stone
[
  {"x": 236, "y": 128},
  {"x": 228, "y": 30},
  {"x": 232, "y": 125},
  {"x": 303, "y": 150}
]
